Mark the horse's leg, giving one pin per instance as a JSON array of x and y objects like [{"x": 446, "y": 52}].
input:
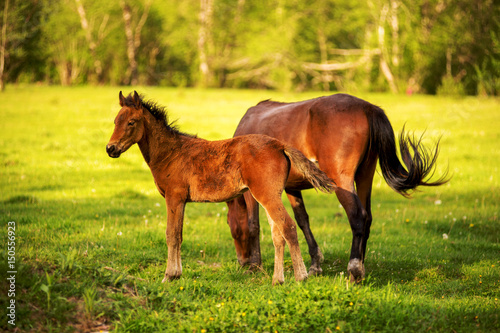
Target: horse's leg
[
  {"x": 364, "y": 182},
  {"x": 255, "y": 260},
  {"x": 237, "y": 218},
  {"x": 356, "y": 214},
  {"x": 175, "y": 217},
  {"x": 302, "y": 218}
]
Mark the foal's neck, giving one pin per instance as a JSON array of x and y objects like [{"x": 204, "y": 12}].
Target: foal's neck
[{"x": 159, "y": 141}]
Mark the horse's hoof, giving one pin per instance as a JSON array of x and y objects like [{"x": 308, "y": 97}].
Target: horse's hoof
[
  {"x": 356, "y": 270},
  {"x": 165, "y": 279},
  {"x": 315, "y": 270},
  {"x": 254, "y": 268}
]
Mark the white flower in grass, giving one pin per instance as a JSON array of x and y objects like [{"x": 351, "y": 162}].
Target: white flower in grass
[
  {"x": 445, "y": 236},
  {"x": 438, "y": 202},
  {"x": 119, "y": 233}
]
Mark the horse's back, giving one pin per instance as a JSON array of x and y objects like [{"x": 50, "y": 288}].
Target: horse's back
[
  {"x": 332, "y": 130},
  {"x": 282, "y": 120}
]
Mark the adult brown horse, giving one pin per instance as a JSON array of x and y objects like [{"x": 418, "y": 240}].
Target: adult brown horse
[
  {"x": 189, "y": 169},
  {"x": 345, "y": 136}
]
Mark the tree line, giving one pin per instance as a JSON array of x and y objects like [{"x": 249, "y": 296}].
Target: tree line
[{"x": 424, "y": 46}]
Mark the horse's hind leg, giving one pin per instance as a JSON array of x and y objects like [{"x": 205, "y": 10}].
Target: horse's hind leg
[
  {"x": 364, "y": 182},
  {"x": 302, "y": 219},
  {"x": 356, "y": 214},
  {"x": 357, "y": 217}
]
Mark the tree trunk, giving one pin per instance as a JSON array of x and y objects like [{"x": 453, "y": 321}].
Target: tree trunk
[
  {"x": 395, "y": 32},
  {"x": 133, "y": 40},
  {"x": 324, "y": 58},
  {"x": 92, "y": 44},
  {"x": 3, "y": 45},
  {"x": 206, "y": 10},
  {"x": 132, "y": 62},
  {"x": 384, "y": 67}
]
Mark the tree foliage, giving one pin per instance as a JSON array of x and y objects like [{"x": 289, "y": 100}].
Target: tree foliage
[{"x": 429, "y": 46}]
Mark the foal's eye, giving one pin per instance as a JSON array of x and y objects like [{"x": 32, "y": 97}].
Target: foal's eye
[{"x": 131, "y": 123}]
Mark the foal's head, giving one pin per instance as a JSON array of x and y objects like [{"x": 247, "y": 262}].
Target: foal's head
[{"x": 129, "y": 125}]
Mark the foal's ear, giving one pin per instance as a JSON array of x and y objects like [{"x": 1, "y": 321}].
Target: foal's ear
[
  {"x": 137, "y": 100},
  {"x": 122, "y": 99}
]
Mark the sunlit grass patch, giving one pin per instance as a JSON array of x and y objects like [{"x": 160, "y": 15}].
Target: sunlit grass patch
[{"x": 91, "y": 230}]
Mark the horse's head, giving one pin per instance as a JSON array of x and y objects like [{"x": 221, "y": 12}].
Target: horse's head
[{"x": 129, "y": 125}]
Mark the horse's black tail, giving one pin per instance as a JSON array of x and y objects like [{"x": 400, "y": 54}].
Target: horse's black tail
[{"x": 419, "y": 168}]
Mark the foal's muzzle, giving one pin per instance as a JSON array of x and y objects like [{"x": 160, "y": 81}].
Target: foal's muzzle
[{"x": 113, "y": 151}]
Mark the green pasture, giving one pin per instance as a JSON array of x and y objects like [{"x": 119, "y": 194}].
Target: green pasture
[{"x": 90, "y": 248}]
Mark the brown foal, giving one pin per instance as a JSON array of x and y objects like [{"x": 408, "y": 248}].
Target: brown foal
[{"x": 189, "y": 169}]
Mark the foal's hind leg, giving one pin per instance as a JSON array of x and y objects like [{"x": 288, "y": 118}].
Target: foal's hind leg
[
  {"x": 283, "y": 224},
  {"x": 302, "y": 218},
  {"x": 279, "y": 250}
]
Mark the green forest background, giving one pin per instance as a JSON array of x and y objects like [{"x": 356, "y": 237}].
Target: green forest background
[{"x": 415, "y": 46}]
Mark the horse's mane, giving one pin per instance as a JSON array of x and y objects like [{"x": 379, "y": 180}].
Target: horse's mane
[
  {"x": 270, "y": 102},
  {"x": 158, "y": 111}
]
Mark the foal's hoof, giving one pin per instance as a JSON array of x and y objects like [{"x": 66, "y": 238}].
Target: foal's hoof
[
  {"x": 278, "y": 282},
  {"x": 301, "y": 277},
  {"x": 356, "y": 270},
  {"x": 170, "y": 278}
]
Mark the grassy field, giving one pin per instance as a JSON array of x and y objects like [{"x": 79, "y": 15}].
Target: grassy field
[{"x": 90, "y": 248}]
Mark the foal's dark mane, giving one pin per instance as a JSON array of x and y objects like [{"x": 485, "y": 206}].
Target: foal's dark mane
[{"x": 158, "y": 111}]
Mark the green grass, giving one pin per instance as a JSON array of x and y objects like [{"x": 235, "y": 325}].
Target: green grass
[{"x": 90, "y": 230}]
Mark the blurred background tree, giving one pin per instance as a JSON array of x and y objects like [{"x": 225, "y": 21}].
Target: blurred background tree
[{"x": 424, "y": 46}]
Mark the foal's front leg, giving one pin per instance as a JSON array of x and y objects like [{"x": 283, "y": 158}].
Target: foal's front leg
[{"x": 175, "y": 217}]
